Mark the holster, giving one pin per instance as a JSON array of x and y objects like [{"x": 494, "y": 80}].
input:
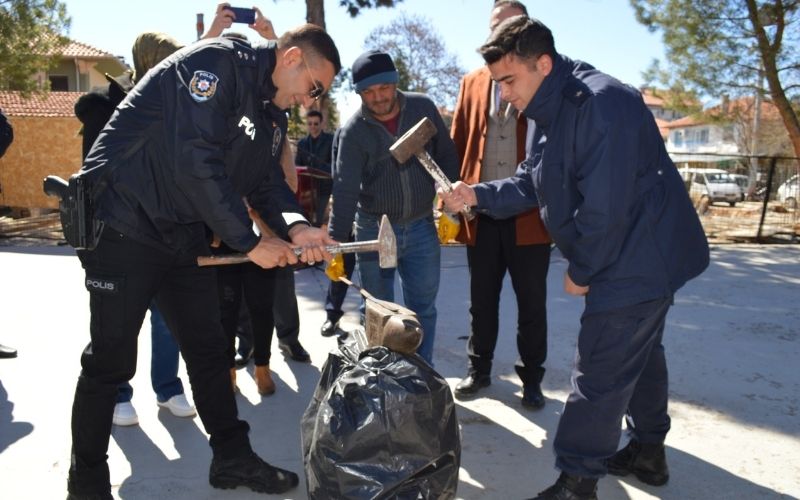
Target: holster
[{"x": 81, "y": 229}]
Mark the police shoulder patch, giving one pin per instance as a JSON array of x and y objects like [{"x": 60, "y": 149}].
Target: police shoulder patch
[{"x": 203, "y": 85}]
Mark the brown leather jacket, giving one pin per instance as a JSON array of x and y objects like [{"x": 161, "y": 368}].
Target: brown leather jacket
[{"x": 470, "y": 122}]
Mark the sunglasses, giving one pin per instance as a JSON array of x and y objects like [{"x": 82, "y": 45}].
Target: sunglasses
[{"x": 318, "y": 89}]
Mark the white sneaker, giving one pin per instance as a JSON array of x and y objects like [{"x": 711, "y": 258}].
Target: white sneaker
[
  {"x": 125, "y": 414},
  {"x": 179, "y": 406}
]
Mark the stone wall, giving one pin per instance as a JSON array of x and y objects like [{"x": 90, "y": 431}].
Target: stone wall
[{"x": 42, "y": 146}]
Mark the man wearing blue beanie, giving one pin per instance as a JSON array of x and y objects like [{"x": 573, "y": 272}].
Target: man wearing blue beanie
[{"x": 368, "y": 182}]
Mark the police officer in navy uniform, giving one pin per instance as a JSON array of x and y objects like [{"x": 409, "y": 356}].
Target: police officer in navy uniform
[
  {"x": 617, "y": 209},
  {"x": 200, "y": 132}
]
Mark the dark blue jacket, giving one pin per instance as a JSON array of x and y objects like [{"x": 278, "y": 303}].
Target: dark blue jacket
[
  {"x": 608, "y": 193},
  {"x": 315, "y": 153},
  {"x": 194, "y": 136}
]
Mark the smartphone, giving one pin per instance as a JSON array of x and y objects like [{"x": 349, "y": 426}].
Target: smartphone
[{"x": 246, "y": 16}]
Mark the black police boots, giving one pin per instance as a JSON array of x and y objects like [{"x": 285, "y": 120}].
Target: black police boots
[
  {"x": 250, "y": 471},
  {"x": 90, "y": 496},
  {"x": 569, "y": 487},
  {"x": 472, "y": 383},
  {"x": 647, "y": 461}
]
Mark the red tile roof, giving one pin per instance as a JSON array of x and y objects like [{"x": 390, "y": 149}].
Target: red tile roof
[
  {"x": 74, "y": 49},
  {"x": 650, "y": 99},
  {"x": 742, "y": 107},
  {"x": 54, "y": 104},
  {"x": 686, "y": 121},
  {"x": 84, "y": 51}
]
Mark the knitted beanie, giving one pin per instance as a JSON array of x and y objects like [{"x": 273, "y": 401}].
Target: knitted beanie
[{"x": 373, "y": 67}]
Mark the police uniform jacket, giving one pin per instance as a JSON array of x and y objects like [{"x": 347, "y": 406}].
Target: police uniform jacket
[
  {"x": 196, "y": 135},
  {"x": 366, "y": 175},
  {"x": 470, "y": 123},
  {"x": 607, "y": 191}
]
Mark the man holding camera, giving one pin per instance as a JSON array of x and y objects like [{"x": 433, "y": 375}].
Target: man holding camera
[{"x": 199, "y": 132}]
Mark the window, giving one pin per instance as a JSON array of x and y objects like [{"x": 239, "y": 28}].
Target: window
[
  {"x": 677, "y": 137},
  {"x": 59, "y": 83},
  {"x": 727, "y": 133},
  {"x": 696, "y": 136}
]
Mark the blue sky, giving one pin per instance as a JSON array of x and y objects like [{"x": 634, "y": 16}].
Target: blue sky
[{"x": 602, "y": 32}]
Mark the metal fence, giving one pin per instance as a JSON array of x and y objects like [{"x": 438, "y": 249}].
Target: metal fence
[{"x": 744, "y": 198}]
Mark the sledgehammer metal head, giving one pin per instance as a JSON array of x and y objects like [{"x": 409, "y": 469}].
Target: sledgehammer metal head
[
  {"x": 387, "y": 245},
  {"x": 413, "y": 142}
]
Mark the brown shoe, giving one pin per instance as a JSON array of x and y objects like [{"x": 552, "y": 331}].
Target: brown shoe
[
  {"x": 233, "y": 380},
  {"x": 264, "y": 381}
]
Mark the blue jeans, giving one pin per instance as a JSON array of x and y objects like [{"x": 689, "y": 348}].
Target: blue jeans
[
  {"x": 163, "y": 362},
  {"x": 418, "y": 263}
]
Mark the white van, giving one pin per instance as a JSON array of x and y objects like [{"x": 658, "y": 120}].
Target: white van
[
  {"x": 743, "y": 181},
  {"x": 712, "y": 184},
  {"x": 789, "y": 192}
]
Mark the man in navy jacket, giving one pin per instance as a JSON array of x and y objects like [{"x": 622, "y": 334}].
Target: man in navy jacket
[{"x": 615, "y": 206}]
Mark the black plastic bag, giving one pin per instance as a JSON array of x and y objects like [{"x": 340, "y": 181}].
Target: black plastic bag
[{"x": 381, "y": 425}]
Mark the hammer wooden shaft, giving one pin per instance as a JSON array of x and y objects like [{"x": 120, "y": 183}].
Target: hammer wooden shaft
[
  {"x": 239, "y": 258},
  {"x": 438, "y": 176}
]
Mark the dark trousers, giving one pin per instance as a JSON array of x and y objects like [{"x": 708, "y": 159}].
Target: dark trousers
[
  {"x": 620, "y": 368},
  {"x": 337, "y": 290},
  {"x": 324, "y": 189},
  {"x": 287, "y": 317},
  {"x": 123, "y": 276},
  {"x": 257, "y": 287},
  {"x": 495, "y": 252}
]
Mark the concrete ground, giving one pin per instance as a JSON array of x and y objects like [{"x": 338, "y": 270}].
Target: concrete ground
[{"x": 733, "y": 344}]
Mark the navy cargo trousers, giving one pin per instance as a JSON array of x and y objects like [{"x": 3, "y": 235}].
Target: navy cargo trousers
[{"x": 620, "y": 369}]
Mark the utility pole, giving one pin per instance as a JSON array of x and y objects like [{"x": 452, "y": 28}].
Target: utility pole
[{"x": 200, "y": 25}]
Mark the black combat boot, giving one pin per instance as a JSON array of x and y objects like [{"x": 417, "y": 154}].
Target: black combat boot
[
  {"x": 472, "y": 383},
  {"x": 569, "y": 487},
  {"x": 250, "y": 471},
  {"x": 647, "y": 461},
  {"x": 90, "y": 496}
]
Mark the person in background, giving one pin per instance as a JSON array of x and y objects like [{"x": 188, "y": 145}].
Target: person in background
[
  {"x": 287, "y": 316},
  {"x": 368, "y": 183},
  {"x": 94, "y": 109},
  {"x": 169, "y": 167},
  {"x": 224, "y": 19},
  {"x": 342, "y": 265},
  {"x": 314, "y": 151},
  {"x": 6, "y": 138},
  {"x": 490, "y": 139},
  {"x": 618, "y": 211},
  {"x": 254, "y": 286}
]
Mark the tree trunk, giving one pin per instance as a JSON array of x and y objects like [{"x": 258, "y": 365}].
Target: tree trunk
[
  {"x": 315, "y": 12},
  {"x": 768, "y": 53}
]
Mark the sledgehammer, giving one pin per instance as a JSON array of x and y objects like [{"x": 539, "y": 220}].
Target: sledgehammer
[
  {"x": 413, "y": 144},
  {"x": 385, "y": 245}
]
